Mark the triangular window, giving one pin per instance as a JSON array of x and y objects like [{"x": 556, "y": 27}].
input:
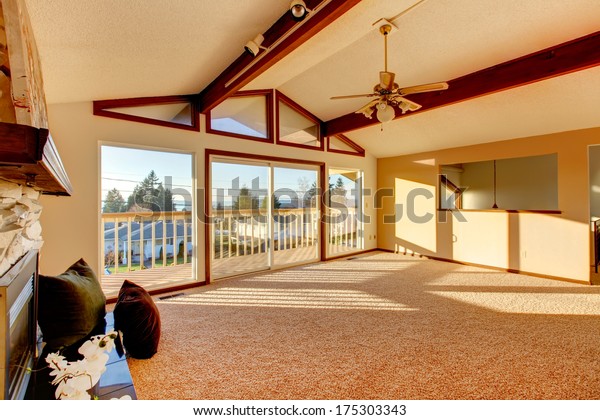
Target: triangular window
[
  {"x": 167, "y": 111},
  {"x": 342, "y": 144},
  {"x": 296, "y": 126},
  {"x": 246, "y": 115}
]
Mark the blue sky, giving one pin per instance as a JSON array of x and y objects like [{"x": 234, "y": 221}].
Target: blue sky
[
  {"x": 123, "y": 168},
  {"x": 225, "y": 175}
]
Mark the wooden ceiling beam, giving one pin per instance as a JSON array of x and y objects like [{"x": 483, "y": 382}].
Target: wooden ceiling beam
[
  {"x": 571, "y": 56},
  {"x": 246, "y": 67}
]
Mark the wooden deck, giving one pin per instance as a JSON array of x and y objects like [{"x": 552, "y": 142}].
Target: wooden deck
[
  {"x": 247, "y": 263},
  {"x": 149, "y": 279},
  {"x": 226, "y": 267},
  {"x": 164, "y": 277}
]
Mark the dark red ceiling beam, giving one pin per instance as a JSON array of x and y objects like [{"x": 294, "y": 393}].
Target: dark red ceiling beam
[
  {"x": 575, "y": 55},
  {"x": 217, "y": 91}
]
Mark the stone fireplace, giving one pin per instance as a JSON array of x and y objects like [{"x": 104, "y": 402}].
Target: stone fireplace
[
  {"x": 20, "y": 229},
  {"x": 18, "y": 328}
]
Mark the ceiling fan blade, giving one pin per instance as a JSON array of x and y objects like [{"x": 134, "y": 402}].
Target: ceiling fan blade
[
  {"x": 386, "y": 80},
  {"x": 366, "y": 95},
  {"x": 430, "y": 87}
]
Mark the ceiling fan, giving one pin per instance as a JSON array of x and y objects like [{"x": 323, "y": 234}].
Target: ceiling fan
[{"x": 388, "y": 94}]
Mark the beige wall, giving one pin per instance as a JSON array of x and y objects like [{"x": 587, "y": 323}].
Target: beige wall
[
  {"x": 71, "y": 224},
  {"x": 556, "y": 245}
]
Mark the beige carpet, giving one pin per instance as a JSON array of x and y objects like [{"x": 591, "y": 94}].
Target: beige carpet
[{"x": 380, "y": 326}]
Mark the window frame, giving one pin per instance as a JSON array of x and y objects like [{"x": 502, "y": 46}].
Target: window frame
[
  {"x": 359, "y": 151},
  {"x": 106, "y": 108},
  {"x": 268, "y": 95},
  {"x": 280, "y": 97},
  {"x": 448, "y": 186}
]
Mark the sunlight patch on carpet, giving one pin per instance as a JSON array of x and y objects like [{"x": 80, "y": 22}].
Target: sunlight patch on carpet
[
  {"x": 341, "y": 276},
  {"x": 362, "y": 266},
  {"x": 529, "y": 303},
  {"x": 286, "y": 298}
]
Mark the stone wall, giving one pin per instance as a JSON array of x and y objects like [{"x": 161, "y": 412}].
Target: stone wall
[
  {"x": 20, "y": 229},
  {"x": 22, "y": 98},
  {"x": 7, "y": 109}
]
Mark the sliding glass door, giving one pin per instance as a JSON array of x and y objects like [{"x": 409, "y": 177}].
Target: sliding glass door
[
  {"x": 344, "y": 221},
  {"x": 263, "y": 216},
  {"x": 240, "y": 218},
  {"x": 295, "y": 215}
]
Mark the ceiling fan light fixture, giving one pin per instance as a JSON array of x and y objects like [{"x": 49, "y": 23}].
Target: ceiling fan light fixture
[
  {"x": 368, "y": 112},
  {"x": 385, "y": 112},
  {"x": 388, "y": 92}
]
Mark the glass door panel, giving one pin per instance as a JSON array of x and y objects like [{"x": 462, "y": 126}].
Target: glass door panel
[
  {"x": 345, "y": 230},
  {"x": 240, "y": 227},
  {"x": 295, "y": 215}
]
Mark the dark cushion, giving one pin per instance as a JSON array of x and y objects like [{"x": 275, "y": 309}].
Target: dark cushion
[
  {"x": 70, "y": 305},
  {"x": 138, "y": 320}
]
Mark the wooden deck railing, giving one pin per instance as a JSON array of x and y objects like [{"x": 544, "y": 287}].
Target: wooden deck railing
[
  {"x": 246, "y": 232},
  {"x": 134, "y": 241}
]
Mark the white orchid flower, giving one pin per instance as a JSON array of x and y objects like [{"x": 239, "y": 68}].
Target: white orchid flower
[
  {"x": 66, "y": 391},
  {"x": 56, "y": 362},
  {"x": 74, "y": 379},
  {"x": 124, "y": 397}
]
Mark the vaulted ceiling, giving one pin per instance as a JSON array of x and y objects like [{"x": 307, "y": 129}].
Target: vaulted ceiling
[{"x": 92, "y": 50}]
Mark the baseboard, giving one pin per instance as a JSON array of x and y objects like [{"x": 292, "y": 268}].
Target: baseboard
[
  {"x": 491, "y": 267},
  {"x": 165, "y": 290},
  {"x": 352, "y": 254},
  {"x": 508, "y": 270}
]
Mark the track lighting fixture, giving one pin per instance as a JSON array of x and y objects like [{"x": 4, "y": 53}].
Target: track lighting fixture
[
  {"x": 254, "y": 46},
  {"x": 299, "y": 12},
  {"x": 298, "y": 9}
]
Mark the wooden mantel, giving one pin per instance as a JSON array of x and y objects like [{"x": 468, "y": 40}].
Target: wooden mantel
[{"x": 28, "y": 157}]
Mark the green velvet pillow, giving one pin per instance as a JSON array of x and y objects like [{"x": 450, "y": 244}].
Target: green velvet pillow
[{"x": 70, "y": 305}]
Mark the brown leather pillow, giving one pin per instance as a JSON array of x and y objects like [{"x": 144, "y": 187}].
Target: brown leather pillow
[{"x": 138, "y": 319}]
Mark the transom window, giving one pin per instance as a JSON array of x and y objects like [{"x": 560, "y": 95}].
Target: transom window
[{"x": 245, "y": 115}]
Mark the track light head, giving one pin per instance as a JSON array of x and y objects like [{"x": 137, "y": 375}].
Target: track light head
[
  {"x": 298, "y": 9},
  {"x": 254, "y": 46}
]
